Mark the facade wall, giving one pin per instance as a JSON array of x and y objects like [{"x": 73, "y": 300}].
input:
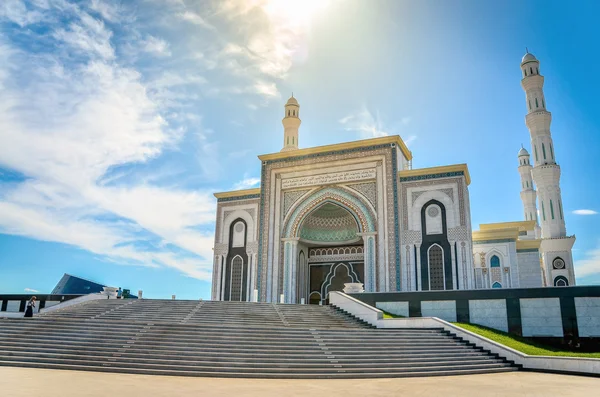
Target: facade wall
[
  {"x": 489, "y": 313},
  {"x": 541, "y": 317},
  {"x": 588, "y": 316},
  {"x": 530, "y": 271},
  {"x": 446, "y": 310}
]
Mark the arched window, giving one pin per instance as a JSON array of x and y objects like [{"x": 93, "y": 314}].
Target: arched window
[
  {"x": 527, "y": 182},
  {"x": 235, "y": 286},
  {"x": 535, "y": 150},
  {"x": 288, "y": 112},
  {"x": 529, "y": 104},
  {"x": 294, "y": 112},
  {"x": 436, "y": 267},
  {"x": 544, "y": 150},
  {"x": 536, "y": 103},
  {"x": 494, "y": 261},
  {"x": 292, "y": 140},
  {"x": 551, "y": 151},
  {"x": 561, "y": 281},
  {"x": 551, "y": 209},
  {"x": 537, "y": 71},
  {"x": 288, "y": 140},
  {"x": 496, "y": 285},
  {"x": 543, "y": 104},
  {"x": 530, "y": 217},
  {"x": 525, "y": 71},
  {"x": 531, "y": 70}
]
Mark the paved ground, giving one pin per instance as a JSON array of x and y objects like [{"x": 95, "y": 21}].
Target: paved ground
[{"x": 17, "y": 382}]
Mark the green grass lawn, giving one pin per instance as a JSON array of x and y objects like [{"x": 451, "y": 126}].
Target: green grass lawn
[
  {"x": 521, "y": 344},
  {"x": 390, "y": 315}
]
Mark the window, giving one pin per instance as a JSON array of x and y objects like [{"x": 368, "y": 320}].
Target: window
[
  {"x": 561, "y": 281},
  {"x": 292, "y": 140},
  {"x": 495, "y": 261},
  {"x": 551, "y": 209},
  {"x": 560, "y": 209},
  {"x": 525, "y": 70},
  {"x": 537, "y": 71},
  {"x": 496, "y": 285},
  {"x": 294, "y": 112},
  {"x": 530, "y": 217},
  {"x": 536, "y": 103},
  {"x": 536, "y": 155},
  {"x": 436, "y": 268},
  {"x": 543, "y": 104},
  {"x": 544, "y": 150},
  {"x": 288, "y": 112},
  {"x": 529, "y": 105},
  {"x": 543, "y": 211},
  {"x": 558, "y": 263},
  {"x": 551, "y": 151},
  {"x": 527, "y": 182},
  {"x": 531, "y": 70},
  {"x": 237, "y": 270}
]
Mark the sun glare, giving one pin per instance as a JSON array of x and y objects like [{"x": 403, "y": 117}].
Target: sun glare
[{"x": 293, "y": 12}]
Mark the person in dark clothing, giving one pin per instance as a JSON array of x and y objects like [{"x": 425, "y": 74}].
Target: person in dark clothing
[{"x": 30, "y": 307}]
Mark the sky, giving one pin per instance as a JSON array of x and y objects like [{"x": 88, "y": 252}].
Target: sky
[{"x": 120, "y": 119}]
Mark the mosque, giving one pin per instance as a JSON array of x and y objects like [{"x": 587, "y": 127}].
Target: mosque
[{"x": 358, "y": 212}]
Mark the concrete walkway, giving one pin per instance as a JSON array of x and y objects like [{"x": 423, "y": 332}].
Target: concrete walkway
[{"x": 17, "y": 382}]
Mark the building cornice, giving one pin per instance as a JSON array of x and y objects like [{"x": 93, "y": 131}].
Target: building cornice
[
  {"x": 523, "y": 226},
  {"x": 528, "y": 244},
  {"x": 495, "y": 235},
  {"x": 435, "y": 172},
  {"x": 238, "y": 195},
  {"x": 339, "y": 147}
]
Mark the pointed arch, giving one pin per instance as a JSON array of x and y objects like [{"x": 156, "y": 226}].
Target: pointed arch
[
  {"x": 435, "y": 264},
  {"x": 366, "y": 220}
]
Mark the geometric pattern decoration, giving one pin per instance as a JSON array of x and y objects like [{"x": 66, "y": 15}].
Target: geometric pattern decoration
[
  {"x": 329, "y": 223},
  {"x": 369, "y": 190},
  {"x": 337, "y": 196},
  {"x": 289, "y": 198}
]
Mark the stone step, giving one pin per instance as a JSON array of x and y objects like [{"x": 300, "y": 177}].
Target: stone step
[{"x": 340, "y": 374}]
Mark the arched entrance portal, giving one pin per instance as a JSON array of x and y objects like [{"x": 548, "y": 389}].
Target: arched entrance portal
[{"x": 331, "y": 242}]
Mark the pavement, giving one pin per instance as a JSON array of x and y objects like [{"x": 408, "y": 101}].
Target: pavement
[{"x": 17, "y": 382}]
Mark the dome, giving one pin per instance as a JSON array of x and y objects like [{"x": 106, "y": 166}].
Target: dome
[
  {"x": 328, "y": 224},
  {"x": 523, "y": 152},
  {"x": 292, "y": 101},
  {"x": 528, "y": 57}
]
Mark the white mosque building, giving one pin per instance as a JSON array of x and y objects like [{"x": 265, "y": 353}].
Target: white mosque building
[{"x": 358, "y": 212}]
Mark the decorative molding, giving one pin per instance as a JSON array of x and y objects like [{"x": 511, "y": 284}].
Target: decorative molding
[
  {"x": 329, "y": 178},
  {"x": 501, "y": 240},
  {"x": 369, "y": 190},
  {"x": 290, "y": 198},
  {"x": 446, "y": 171}
]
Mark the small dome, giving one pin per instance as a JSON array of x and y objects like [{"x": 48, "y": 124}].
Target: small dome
[
  {"x": 523, "y": 152},
  {"x": 292, "y": 101},
  {"x": 528, "y": 57}
]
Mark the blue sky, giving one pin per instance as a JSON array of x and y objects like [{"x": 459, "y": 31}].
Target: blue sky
[{"x": 119, "y": 119}]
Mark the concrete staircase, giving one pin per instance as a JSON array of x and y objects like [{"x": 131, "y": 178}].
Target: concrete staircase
[{"x": 232, "y": 339}]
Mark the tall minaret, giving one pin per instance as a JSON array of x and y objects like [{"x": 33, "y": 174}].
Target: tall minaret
[
  {"x": 528, "y": 194},
  {"x": 556, "y": 246},
  {"x": 291, "y": 122}
]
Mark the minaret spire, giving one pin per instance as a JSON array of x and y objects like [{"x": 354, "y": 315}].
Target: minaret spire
[
  {"x": 556, "y": 245},
  {"x": 291, "y": 123},
  {"x": 528, "y": 193}
]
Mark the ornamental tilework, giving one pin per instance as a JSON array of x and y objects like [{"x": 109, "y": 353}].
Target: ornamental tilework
[
  {"x": 412, "y": 237},
  {"x": 290, "y": 198},
  {"x": 458, "y": 234},
  {"x": 388, "y": 151},
  {"x": 369, "y": 190}
]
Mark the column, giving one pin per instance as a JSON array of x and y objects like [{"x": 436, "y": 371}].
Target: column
[
  {"x": 223, "y": 273},
  {"x": 419, "y": 286},
  {"x": 370, "y": 251},
  {"x": 453, "y": 265},
  {"x": 290, "y": 268}
]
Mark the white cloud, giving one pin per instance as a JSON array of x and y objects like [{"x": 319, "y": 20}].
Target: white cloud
[
  {"x": 110, "y": 11},
  {"x": 369, "y": 125},
  {"x": 247, "y": 183},
  {"x": 30, "y": 290},
  {"x": 17, "y": 11},
  {"x": 156, "y": 46},
  {"x": 65, "y": 124},
  {"x": 590, "y": 265},
  {"x": 585, "y": 212},
  {"x": 195, "y": 19}
]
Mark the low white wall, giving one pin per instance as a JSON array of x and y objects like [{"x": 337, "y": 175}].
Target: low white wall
[
  {"x": 71, "y": 302},
  {"x": 541, "y": 317},
  {"x": 397, "y": 308},
  {"x": 564, "y": 364},
  {"x": 443, "y": 309},
  {"x": 13, "y": 306},
  {"x": 357, "y": 308},
  {"x": 489, "y": 313},
  {"x": 588, "y": 316}
]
